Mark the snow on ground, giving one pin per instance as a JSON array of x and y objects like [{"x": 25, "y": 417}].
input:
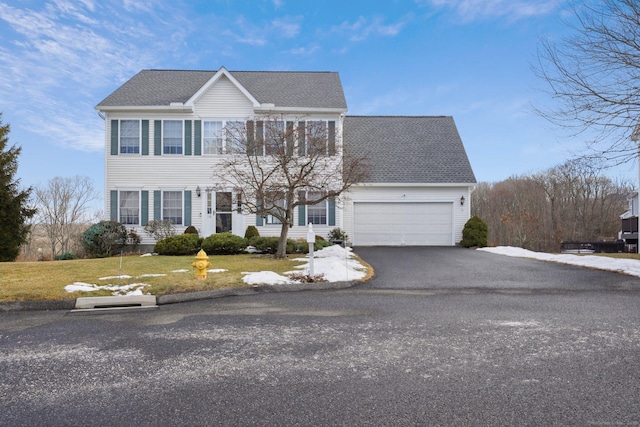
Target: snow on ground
[
  {"x": 334, "y": 263},
  {"x": 620, "y": 265}
]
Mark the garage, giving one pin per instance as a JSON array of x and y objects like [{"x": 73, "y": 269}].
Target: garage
[{"x": 396, "y": 223}]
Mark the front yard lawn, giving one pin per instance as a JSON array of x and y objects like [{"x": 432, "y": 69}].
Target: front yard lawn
[{"x": 37, "y": 281}]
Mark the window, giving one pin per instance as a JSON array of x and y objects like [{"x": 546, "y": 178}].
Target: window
[
  {"x": 172, "y": 137},
  {"x": 212, "y": 138},
  {"x": 235, "y": 135},
  {"x": 316, "y": 214},
  {"x": 280, "y": 206},
  {"x": 274, "y": 138},
  {"x": 129, "y": 207},
  {"x": 172, "y": 206},
  {"x": 129, "y": 136},
  {"x": 316, "y": 135}
]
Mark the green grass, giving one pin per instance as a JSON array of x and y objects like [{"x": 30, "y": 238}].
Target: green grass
[
  {"x": 617, "y": 255},
  {"x": 37, "y": 281}
]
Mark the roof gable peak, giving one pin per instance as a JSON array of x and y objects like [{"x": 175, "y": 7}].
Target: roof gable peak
[{"x": 212, "y": 81}]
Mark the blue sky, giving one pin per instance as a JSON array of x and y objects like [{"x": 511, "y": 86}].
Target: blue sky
[{"x": 470, "y": 59}]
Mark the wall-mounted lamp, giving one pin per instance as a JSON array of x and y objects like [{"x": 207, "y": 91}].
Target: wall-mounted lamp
[
  {"x": 198, "y": 191},
  {"x": 462, "y": 201}
]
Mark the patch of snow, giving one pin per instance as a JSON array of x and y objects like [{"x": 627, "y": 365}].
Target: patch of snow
[
  {"x": 217, "y": 270},
  {"x": 265, "y": 278},
  {"x": 336, "y": 263},
  {"x": 180, "y": 271},
  {"x": 131, "y": 289},
  {"x": 620, "y": 265},
  {"x": 123, "y": 276},
  {"x": 152, "y": 275},
  {"x": 80, "y": 286}
]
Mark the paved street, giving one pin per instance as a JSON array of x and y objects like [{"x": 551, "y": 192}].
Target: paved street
[{"x": 441, "y": 336}]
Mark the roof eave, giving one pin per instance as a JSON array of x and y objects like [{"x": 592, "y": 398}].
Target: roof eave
[
  {"x": 416, "y": 184},
  {"x": 307, "y": 110},
  {"x": 138, "y": 108}
]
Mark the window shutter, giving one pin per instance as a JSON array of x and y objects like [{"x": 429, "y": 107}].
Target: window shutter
[
  {"x": 332, "y": 211},
  {"x": 290, "y": 140},
  {"x": 114, "y": 137},
  {"x": 259, "y": 147},
  {"x": 251, "y": 141},
  {"x": 259, "y": 219},
  {"x": 301, "y": 139},
  {"x": 144, "y": 208},
  {"x": 187, "y": 208},
  {"x": 157, "y": 205},
  {"x": 157, "y": 137},
  {"x": 302, "y": 211},
  {"x": 145, "y": 137},
  {"x": 187, "y": 137},
  {"x": 332, "y": 138},
  {"x": 197, "y": 136},
  {"x": 113, "y": 204}
]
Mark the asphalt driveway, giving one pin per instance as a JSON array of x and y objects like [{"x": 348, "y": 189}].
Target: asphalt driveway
[{"x": 458, "y": 268}]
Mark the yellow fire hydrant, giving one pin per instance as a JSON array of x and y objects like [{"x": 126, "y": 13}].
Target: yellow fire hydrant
[{"x": 201, "y": 264}]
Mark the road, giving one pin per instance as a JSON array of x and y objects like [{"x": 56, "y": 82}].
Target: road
[{"x": 441, "y": 336}]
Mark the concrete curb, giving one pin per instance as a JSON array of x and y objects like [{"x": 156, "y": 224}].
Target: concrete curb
[{"x": 70, "y": 304}]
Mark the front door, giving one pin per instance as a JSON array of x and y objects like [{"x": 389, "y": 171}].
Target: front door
[{"x": 217, "y": 212}]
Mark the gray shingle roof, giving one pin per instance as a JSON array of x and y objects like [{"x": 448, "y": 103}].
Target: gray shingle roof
[
  {"x": 284, "y": 89},
  {"x": 415, "y": 149}
]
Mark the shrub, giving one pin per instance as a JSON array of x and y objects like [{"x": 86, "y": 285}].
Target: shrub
[
  {"x": 269, "y": 245},
  {"x": 183, "y": 244},
  {"x": 251, "y": 232},
  {"x": 66, "y": 256},
  {"x": 337, "y": 234},
  {"x": 474, "y": 233},
  {"x": 160, "y": 229},
  {"x": 105, "y": 238},
  {"x": 224, "y": 244},
  {"x": 191, "y": 230}
]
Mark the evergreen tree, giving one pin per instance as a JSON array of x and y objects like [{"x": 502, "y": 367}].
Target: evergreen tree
[{"x": 13, "y": 202}]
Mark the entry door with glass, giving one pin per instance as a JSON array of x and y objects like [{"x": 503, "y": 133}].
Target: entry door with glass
[{"x": 217, "y": 212}]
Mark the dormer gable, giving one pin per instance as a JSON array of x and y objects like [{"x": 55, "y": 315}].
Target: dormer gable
[{"x": 220, "y": 74}]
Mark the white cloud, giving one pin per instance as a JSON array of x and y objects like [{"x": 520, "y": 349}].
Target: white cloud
[
  {"x": 363, "y": 28},
  {"x": 471, "y": 10}
]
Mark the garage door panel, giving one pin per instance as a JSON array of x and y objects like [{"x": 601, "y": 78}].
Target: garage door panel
[{"x": 403, "y": 223}]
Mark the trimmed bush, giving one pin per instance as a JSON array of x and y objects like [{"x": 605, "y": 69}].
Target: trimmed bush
[
  {"x": 182, "y": 244},
  {"x": 251, "y": 232},
  {"x": 474, "y": 233},
  {"x": 191, "y": 230},
  {"x": 224, "y": 244},
  {"x": 269, "y": 245},
  {"x": 66, "y": 256},
  {"x": 337, "y": 234},
  {"x": 105, "y": 238}
]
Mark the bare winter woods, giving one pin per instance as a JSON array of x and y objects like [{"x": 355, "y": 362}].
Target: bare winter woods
[{"x": 570, "y": 202}]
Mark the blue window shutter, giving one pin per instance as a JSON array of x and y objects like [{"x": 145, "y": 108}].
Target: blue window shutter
[
  {"x": 157, "y": 137},
  {"x": 289, "y": 134},
  {"x": 187, "y": 208},
  {"x": 259, "y": 219},
  {"x": 332, "y": 211},
  {"x": 157, "y": 205},
  {"x": 197, "y": 149},
  {"x": 113, "y": 204},
  {"x": 302, "y": 211},
  {"x": 332, "y": 138},
  {"x": 144, "y": 208},
  {"x": 187, "y": 137},
  {"x": 114, "y": 137},
  {"x": 145, "y": 137}
]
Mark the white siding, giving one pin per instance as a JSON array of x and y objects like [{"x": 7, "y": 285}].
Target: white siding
[{"x": 223, "y": 99}]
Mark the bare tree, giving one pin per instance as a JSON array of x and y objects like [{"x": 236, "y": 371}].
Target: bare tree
[
  {"x": 594, "y": 75},
  {"x": 277, "y": 165},
  {"x": 63, "y": 205}
]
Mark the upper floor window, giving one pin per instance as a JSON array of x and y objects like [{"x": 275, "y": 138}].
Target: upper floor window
[
  {"x": 129, "y": 136},
  {"x": 172, "y": 206},
  {"x": 172, "y": 136},
  {"x": 129, "y": 207},
  {"x": 212, "y": 138},
  {"x": 279, "y": 205}
]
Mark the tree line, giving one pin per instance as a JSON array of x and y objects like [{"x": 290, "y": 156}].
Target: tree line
[{"x": 570, "y": 202}]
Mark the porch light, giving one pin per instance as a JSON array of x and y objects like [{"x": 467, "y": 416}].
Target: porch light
[
  {"x": 198, "y": 191},
  {"x": 462, "y": 201}
]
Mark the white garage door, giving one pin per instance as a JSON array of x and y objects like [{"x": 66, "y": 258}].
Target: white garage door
[{"x": 406, "y": 223}]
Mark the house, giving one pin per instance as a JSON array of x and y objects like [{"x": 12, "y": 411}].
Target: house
[
  {"x": 629, "y": 226},
  {"x": 163, "y": 133}
]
